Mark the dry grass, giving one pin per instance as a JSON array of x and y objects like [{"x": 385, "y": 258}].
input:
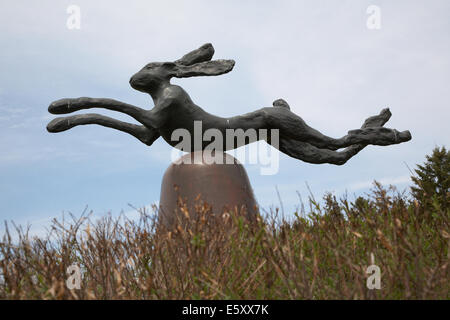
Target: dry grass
[{"x": 323, "y": 255}]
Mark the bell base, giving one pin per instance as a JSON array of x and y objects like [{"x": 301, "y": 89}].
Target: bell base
[{"x": 216, "y": 180}]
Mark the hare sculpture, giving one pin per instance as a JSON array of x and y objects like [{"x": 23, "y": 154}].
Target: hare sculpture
[{"x": 173, "y": 109}]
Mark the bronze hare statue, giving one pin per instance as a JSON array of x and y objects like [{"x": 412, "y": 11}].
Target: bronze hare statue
[{"x": 173, "y": 109}]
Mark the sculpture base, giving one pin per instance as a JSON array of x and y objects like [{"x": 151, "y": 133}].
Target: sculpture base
[{"x": 218, "y": 180}]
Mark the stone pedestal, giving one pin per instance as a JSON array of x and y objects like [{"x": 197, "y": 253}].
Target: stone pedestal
[{"x": 219, "y": 180}]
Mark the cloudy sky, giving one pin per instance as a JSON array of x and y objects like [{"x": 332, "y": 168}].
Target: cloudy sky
[{"x": 318, "y": 55}]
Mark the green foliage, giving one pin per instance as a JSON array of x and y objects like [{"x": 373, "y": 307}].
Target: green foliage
[{"x": 432, "y": 183}]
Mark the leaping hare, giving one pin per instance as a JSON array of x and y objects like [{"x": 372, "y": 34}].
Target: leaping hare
[{"x": 173, "y": 109}]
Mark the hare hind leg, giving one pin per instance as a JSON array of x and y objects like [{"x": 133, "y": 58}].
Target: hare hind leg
[
  {"x": 311, "y": 154},
  {"x": 371, "y": 132}
]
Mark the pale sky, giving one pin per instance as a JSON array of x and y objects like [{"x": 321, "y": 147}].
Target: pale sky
[{"x": 317, "y": 55}]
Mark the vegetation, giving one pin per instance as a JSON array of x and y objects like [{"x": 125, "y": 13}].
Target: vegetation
[
  {"x": 321, "y": 254},
  {"x": 432, "y": 182}
]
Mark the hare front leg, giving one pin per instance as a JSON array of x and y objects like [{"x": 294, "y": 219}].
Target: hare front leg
[
  {"x": 143, "y": 133},
  {"x": 64, "y": 106}
]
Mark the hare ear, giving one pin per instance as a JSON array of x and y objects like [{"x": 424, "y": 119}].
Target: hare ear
[
  {"x": 208, "y": 68},
  {"x": 204, "y": 53},
  {"x": 169, "y": 65}
]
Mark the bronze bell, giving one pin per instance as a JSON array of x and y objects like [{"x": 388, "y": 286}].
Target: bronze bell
[{"x": 217, "y": 179}]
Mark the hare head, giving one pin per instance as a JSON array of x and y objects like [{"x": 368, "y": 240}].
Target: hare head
[{"x": 193, "y": 64}]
